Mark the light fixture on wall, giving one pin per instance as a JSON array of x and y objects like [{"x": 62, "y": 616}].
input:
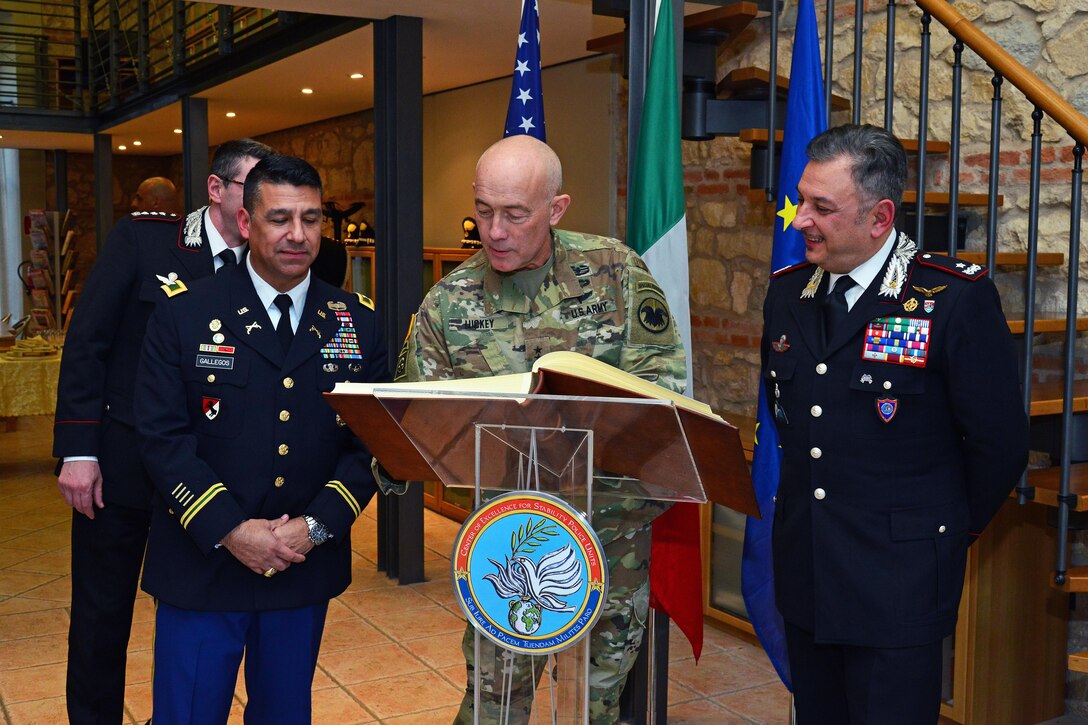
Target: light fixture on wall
[
  {"x": 356, "y": 76},
  {"x": 122, "y": 147},
  {"x": 177, "y": 130},
  {"x": 307, "y": 91},
  {"x": 231, "y": 114},
  {"x": 137, "y": 143}
]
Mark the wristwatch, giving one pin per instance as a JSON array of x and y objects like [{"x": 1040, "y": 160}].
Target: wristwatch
[{"x": 319, "y": 533}]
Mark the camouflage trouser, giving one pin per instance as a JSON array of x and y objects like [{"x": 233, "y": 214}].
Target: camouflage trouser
[{"x": 614, "y": 645}]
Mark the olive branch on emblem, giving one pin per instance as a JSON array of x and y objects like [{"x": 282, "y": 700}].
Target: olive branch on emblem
[{"x": 531, "y": 535}]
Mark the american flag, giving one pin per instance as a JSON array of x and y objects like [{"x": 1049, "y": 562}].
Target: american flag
[{"x": 526, "y": 111}]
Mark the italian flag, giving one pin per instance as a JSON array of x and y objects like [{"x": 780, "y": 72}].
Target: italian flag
[{"x": 657, "y": 230}]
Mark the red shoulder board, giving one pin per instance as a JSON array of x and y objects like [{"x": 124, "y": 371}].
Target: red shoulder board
[
  {"x": 784, "y": 270},
  {"x": 160, "y": 216},
  {"x": 967, "y": 270}
]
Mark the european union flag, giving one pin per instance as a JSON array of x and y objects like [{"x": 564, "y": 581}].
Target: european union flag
[
  {"x": 804, "y": 120},
  {"x": 526, "y": 110}
]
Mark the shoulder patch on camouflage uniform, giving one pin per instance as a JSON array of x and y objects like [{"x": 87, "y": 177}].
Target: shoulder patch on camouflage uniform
[
  {"x": 648, "y": 305},
  {"x": 952, "y": 266},
  {"x": 365, "y": 301}
]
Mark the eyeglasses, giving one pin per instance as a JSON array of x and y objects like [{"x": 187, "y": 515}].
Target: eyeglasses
[{"x": 228, "y": 182}]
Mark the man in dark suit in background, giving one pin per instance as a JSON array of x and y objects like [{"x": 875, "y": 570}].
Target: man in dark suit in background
[
  {"x": 156, "y": 193},
  {"x": 259, "y": 480},
  {"x": 895, "y": 390},
  {"x": 145, "y": 256}
]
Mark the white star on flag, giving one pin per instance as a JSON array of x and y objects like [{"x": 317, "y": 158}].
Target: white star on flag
[{"x": 525, "y": 83}]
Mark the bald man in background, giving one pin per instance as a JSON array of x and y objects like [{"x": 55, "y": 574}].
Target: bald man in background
[{"x": 156, "y": 194}]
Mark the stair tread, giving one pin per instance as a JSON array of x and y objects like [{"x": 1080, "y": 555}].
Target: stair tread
[
  {"x": 933, "y": 198},
  {"x": 729, "y": 19},
  {"x": 1045, "y": 323},
  {"x": 1046, "y": 398},
  {"x": 758, "y": 137},
  {"x": 1078, "y": 661},
  {"x": 1047, "y": 481},
  {"x": 753, "y": 78},
  {"x": 1076, "y": 580}
]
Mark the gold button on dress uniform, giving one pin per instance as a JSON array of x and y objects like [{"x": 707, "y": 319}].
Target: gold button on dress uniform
[
  {"x": 279, "y": 481},
  {"x": 285, "y": 415},
  {"x": 288, "y": 383},
  {"x": 283, "y": 449}
]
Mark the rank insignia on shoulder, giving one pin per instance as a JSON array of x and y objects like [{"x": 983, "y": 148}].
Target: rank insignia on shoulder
[
  {"x": 965, "y": 270},
  {"x": 788, "y": 268},
  {"x": 171, "y": 285},
  {"x": 780, "y": 345},
  {"x": 365, "y": 301},
  {"x": 158, "y": 215}
]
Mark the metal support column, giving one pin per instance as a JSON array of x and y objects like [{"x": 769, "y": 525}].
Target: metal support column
[
  {"x": 398, "y": 212},
  {"x": 103, "y": 187},
  {"x": 194, "y": 151}
]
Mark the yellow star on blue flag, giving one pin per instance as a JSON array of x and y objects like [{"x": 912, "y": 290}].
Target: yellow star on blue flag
[{"x": 788, "y": 212}]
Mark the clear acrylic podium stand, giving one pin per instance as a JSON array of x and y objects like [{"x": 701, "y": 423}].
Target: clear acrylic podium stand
[{"x": 586, "y": 451}]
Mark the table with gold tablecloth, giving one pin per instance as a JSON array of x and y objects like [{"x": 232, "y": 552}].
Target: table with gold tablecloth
[{"x": 28, "y": 386}]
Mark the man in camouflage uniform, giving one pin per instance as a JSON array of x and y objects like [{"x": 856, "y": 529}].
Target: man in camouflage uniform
[{"x": 533, "y": 290}]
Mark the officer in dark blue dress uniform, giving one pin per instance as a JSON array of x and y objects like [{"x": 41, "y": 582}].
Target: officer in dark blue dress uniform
[
  {"x": 94, "y": 431},
  {"x": 902, "y": 431},
  {"x": 259, "y": 481}
]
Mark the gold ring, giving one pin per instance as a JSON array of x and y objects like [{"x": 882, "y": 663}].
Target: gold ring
[{"x": 270, "y": 572}]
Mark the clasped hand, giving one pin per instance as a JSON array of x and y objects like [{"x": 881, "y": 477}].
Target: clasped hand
[{"x": 263, "y": 544}]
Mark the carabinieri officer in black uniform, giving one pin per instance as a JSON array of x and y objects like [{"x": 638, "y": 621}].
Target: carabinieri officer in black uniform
[
  {"x": 893, "y": 380},
  {"x": 94, "y": 432},
  {"x": 258, "y": 480}
]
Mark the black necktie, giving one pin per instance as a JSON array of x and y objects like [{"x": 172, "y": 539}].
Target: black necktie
[
  {"x": 283, "y": 327},
  {"x": 227, "y": 255},
  {"x": 835, "y": 307}
]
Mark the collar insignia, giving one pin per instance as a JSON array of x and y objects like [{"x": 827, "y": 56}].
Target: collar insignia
[
  {"x": 192, "y": 229},
  {"x": 896, "y": 276},
  {"x": 809, "y": 292}
]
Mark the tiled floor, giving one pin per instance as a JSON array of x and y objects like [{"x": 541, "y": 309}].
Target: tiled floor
[{"x": 390, "y": 654}]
